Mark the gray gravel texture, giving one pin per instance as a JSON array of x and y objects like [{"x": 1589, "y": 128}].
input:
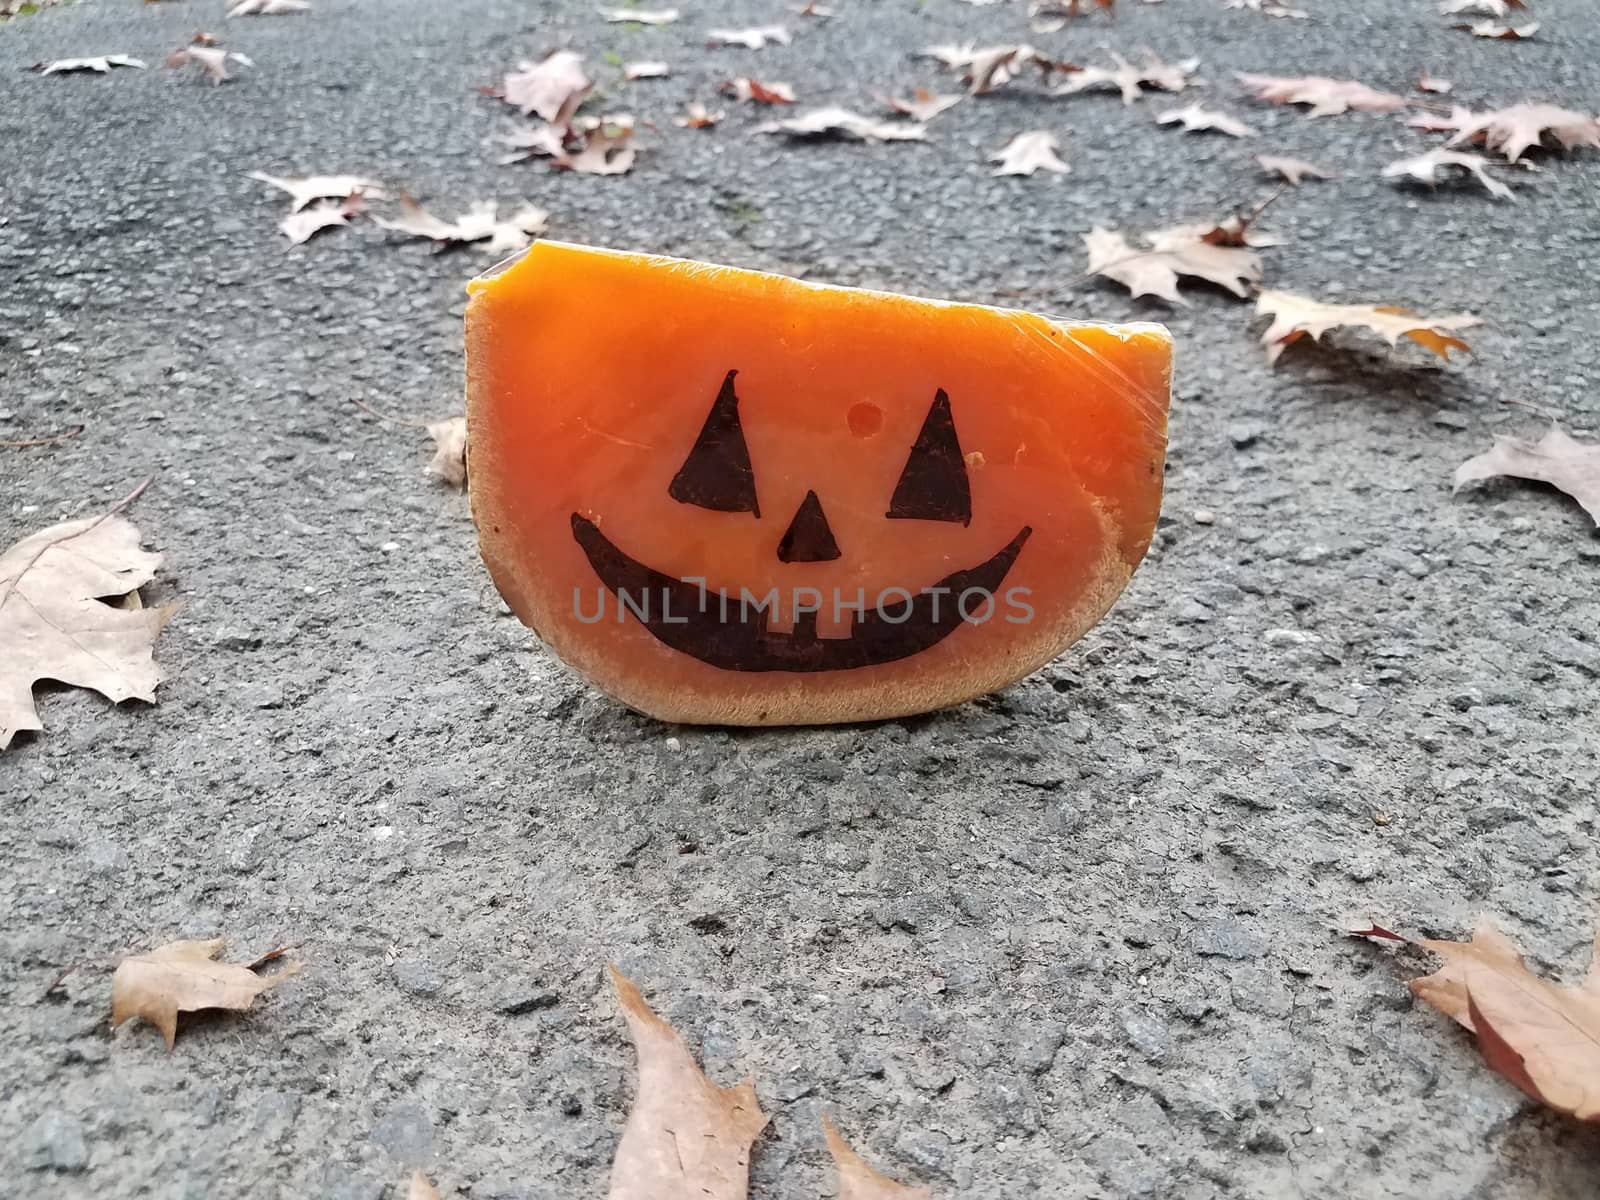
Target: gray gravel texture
[{"x": 1072, "y": 940}]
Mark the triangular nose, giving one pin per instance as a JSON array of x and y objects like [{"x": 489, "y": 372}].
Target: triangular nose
[{"x": 808, "y": 538}]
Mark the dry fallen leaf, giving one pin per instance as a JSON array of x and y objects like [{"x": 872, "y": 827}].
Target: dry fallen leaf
[
  {"x": 420, "y": 1188},
  {"x": 698, "y": 116},
  {"x": 1428, "y": 83},
  {"x": 686, "y": 1138},
  {"x": 1543, "y": 1037},
  {"x": 100, "y": 63},
  {"x": 268, "y": 8},
  {"x": 1029, "y": 152},
  {"x": 1557, "y": 459},
  {"x": 551, "y": 89},
  {"x": 857, "y": 1180},
  {"x": 184, "y": 977},
  {"x": 754, "y": 38},
  {"x": 1170, "y": 254},
  {"x": 836, "y": 122},
  {"x": 1515, "y": 130},
  {"x": 812, "y": 9},
  {"x": 607, "y": 147},
  {"x": 449, "y": 461},
  {"x": 1495, "y": 8},
  {"x": 987, "y": 68},
  {"x": 1327, "y": 97},
  {"x": 1505, "y": 33},
  {"x": 1293, "y": 170},
  {"x": 1270, "y": 8},
  {"x": 212, "y": 60},
  {"x": 1129, "y": 79},
  {"x": 643, "y": 16},
  {"x": 1424, "y": 168},
  {"x": 646, "y": 70},
  {"x": 1059, "y": 12},
  {"x": 923, "y": 105},
  {"x": 477, "y": 224},
  {"x": 304, "y": 223},
  {"x": 54, "y": 625},
  {"x": 319, "y": 187},
  {"x": 753, "y": 91},
  {"x": 1197, "y": 119},
  {"x": 1295, "y": 317}
]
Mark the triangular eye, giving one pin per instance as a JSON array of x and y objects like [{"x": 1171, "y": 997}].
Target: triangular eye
[
  {"x": 717, "y": 473},
  {"x": 934, "y": 486}
]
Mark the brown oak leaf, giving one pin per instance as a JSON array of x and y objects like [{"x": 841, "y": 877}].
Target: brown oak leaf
[
  {"x": 755, "y": 38},
  {"x": 305, "y": 223},
  {"x": 1295, "y": 317},
  {"x": 99, "y": 63},
  {"x": 1196, "y": 118},
  {"x": 1128, "y": 78},
  {"x": 1169, "y": 255},
  {"x": 319, "y": 187},
  {"x": 1424, "y": 168},
  {"x": 1557, "y": 459},
  {"x": 449, "y": 461},
  {"x": 1292, "y": 170},
  {"x": 1504, "y": 33},
  {"x": 857, "y": 1180},
  {"x": 1028, "y": 152},
  {"x": 551, "y": 89},
  {"x": 1513, "y": 131},
  {"x": 478, "y": 224},
  {"x": 1326, "y": 97},
  {"x": 184, "y": 977},
  {"x": 837, "y": 122},
  {"x": 212, "y": 60},
  {"x": 753, "y": 91},
  {"x": 923, "y": 105}
]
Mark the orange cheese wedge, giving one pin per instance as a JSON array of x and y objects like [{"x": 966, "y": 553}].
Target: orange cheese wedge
[{"x": 728, "y": 497}]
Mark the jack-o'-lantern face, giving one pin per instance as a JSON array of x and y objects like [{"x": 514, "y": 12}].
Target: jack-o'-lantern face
[{"x": 720, "y": 627}]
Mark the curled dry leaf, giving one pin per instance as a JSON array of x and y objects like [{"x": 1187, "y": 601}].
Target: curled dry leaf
[
  {"x": 1197, "y": 119},
  {"x": 54, "y": 625},
  {"x": 857, "y": 1180},
  {"x": 268, "y": 8},
  {"x": 841, "y": 122},
  {"x": 319, "y": 187},
  {"x": 698, "y": 116},
  {"x": 1270, "y": 8},
  {"x": 1327, "y": 97},
  {"x": 420, "y": 1188},
  {"x": 1424, "y": 168},
  {"x": 479, "y": 223},
  {"x": 1504, "y": 33},
  {"x": 607, "y": 147},
  {"x": 100, "y": 64},
  {"x": 1543, "y": 1037},
  {"x": 753, "y": 91},
  {"x": 212, "y": 60},
  {"x": 1295, "y": 317},
  {"x": 303, "y": 224},
  {"x": 184, "y": 977},
  {"x": 1169, "y": 255},
  {"x": 923, "y": 105},
  {"x": 449, "y": 461},
  {"x": 646, "y": 70},
  {"x": 754, "y": 38},
  {"x": 1293, "y": 171},
  {"x": 551, "y": 89},
  {"x": 1129, "y": 79},
  {"x": 1028, "y": 152},
  {"x": 642, "y": 16},
  {"x": 1514, "y": 131},
  {"x": 1558, "y": 459},
  {"x": 685, "y": 1137},
  {"x": 987, "y": 68}
]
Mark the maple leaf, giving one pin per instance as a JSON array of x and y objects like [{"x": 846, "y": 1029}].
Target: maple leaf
[
  {"x": 1129, "y": 79},
  {"x": 753, "y": 91},
  {"x": 645, "y": 70},
  {"x": 1327, "y": 97},
  {"x": 923, "y": 105},
  {"x": 1197, "y": 119},
  {"x": 212, "y": 60},
  {"x": 754, "y": 38},
  {"x": 1541, "y": 1036},
  {"x": 100, "y": 64},
  {"x": 1424, "y": 168},
  {"x": 1295, "y": 317},
  {"x": 1292, "y": 170},
  {"x": 660, "y": 16},
  {"x": 685, "y": 1136},
  {"x": 1513, "y": 131},
  {"x": 1505, "y": 33},
  {"x": 1428, "y": 83},
  {"x": 1270, "y": 8},
  {"x": 1169, "y": 255},
  {"x": 552, "y": 88},
  {"x": 304, "y": 223},
  {"x": 1557, "y": 459},
  {"x": 477, "y": 224},
  {"x": 268, "y": 8},
  {"x": 698, "y": 116},
  {"x": 1029, "y": 152},
  {"x": 184, "y": 977},
  {"x": 449, "y": 461},
  {"x": 53, "y": 624},
  {"x": 318, "y": 187},
  {"x": 836, "y": 122},
  {"x": 857, "y": 1180}
]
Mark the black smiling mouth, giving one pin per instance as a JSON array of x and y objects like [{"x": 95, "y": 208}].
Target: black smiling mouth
[{"x": 721, "y": 631}]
